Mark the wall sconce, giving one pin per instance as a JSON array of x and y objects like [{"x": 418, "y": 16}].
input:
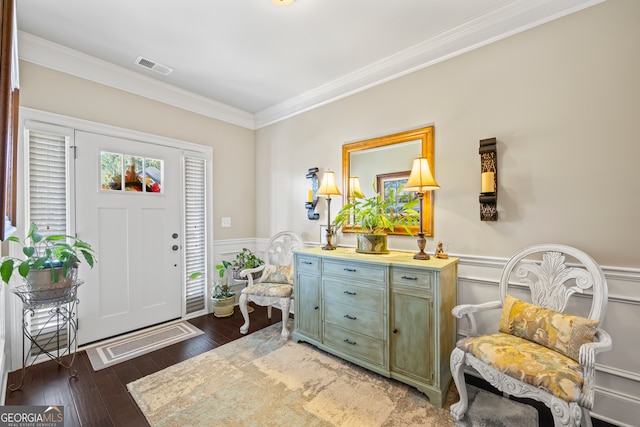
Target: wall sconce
[
  {"x": 489, "y": 180},
  {"x": 312, "y": 195},
  {"x": 327, "y": 189},
  {"x": 421, "y": 180}
]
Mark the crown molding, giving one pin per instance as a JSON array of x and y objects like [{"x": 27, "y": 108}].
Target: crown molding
[
  {"x": 514, "y": 17},
  {"x": 52, "y": 55}
]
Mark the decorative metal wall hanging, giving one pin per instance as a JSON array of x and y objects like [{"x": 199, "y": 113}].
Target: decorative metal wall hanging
[
  {"x": 489, "y": 179},
  {"x": 312, "y": 195}
]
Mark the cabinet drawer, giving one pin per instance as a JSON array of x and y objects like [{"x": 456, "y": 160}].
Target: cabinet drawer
[
  {"x": 412, "y": 277},
  {"x": 356, "y": 319},
  {"x": 356, "y": 271},
  {"x": 355, "y": 344},
  {"x": 308, "y": 265},
  {"x": 368, "y": 298}
]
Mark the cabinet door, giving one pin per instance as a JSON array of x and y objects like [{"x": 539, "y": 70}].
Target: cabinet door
[
  {"x": 412, "y": 335},
  {"x": 307, "y": 297}
]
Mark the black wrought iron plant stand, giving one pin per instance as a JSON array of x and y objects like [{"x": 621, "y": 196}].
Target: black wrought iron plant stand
[{"x": 48, "y": 339}]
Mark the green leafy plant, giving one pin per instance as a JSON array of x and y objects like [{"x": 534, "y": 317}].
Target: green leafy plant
[
  {"x": 222, "y": 268},
  {"x": 378, "y": 215},
  {"x": 247, "y": 259},
  {"x": 42, "y": 252},
  {"x": 221, "y": 288}
]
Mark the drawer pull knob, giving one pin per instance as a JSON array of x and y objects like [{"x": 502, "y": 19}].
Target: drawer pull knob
[
  {"x": 350, "y": 317},
  {"x": 395, "y": 330},
  {"x": 409, "y": 278},
  {"x": 307, "y": 262},
  {"x": 350, "y": 270},
  {"x": 349, "y": 293},
  {"x": 348, "y": 341}
]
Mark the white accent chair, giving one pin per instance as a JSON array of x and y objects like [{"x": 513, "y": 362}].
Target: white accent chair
[
  {"x": 275, "y": 286},
  {"x": 514, "y": 362}
]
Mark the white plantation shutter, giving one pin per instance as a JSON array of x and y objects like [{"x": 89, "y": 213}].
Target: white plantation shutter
[
  {"x": 195, "y": 233},
  {"x": 47, "y": 182},
  {"x": 48, "y": 210}
]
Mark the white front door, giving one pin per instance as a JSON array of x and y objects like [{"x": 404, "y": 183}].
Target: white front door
[{"x": 137, "y": 280}]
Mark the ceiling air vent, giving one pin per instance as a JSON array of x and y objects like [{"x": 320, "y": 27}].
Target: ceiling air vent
[{"x": 154, "y": 66}]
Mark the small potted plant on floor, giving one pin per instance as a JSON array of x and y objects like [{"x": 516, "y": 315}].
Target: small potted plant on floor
[
  {"x": 222, "y": 296},
  {"x": 50, "y": 262},
  {"x": 374, "y": 217}
]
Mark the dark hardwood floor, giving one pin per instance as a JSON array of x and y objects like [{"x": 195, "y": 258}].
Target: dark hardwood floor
[{"x": 101, "y": 398}]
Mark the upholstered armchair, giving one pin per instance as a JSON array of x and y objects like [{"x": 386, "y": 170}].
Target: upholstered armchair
[
  {"x": 275, "y": 286},
  {"x": 540, "y": 352}
]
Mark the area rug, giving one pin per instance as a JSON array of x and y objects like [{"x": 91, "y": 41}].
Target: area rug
[
  {"x": 262, "y": 380},
  {"x": 126, "y": 347}
]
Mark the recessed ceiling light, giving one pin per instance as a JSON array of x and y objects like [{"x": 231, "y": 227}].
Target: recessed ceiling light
[{"x": 283, "y": 2}]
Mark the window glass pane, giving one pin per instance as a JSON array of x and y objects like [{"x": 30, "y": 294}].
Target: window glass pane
[
  {"x": 110, "y": 171},
  {"x": 153, "y": 170},
  {"x": 133, "y": 173}
]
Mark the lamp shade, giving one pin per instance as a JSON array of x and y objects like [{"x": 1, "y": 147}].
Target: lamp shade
[
  {"x": 328, "y": 185},
  {"x": 354, "y": 187},
  {"x": 421, "y": 179}
]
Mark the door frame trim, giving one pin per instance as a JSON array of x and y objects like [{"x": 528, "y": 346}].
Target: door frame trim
[{"x": 27, "y": 114}]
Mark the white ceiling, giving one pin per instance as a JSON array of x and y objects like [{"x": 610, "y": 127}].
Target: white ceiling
[{"x": 252, "y": 62}]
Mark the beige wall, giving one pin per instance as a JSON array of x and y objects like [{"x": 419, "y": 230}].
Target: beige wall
[
  {"x": 563, "y": 100},
  {"x": 233, "y": 146}
]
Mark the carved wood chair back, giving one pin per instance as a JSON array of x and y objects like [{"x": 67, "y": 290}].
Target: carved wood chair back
[{"x": 552, "y": 282}]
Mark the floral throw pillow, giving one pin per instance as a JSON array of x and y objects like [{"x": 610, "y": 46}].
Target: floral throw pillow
[
  {"x": 277, "y": 274},
  {"x": 561, "y": 332}
]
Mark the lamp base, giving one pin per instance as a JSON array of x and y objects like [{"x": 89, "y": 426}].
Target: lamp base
[
  {"x": 329, "y": 246},
  {"x": 422, "y": 242}
]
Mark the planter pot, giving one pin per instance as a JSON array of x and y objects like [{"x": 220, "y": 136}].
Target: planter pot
[
  {"x": 44, "y": 279},
  {"x": 40, "y": 287},
  {"x": 372, "y": 244},
  {"x": 223, "y": 307}
]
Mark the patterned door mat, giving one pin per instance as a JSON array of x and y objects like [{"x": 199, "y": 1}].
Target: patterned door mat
[{"x": 126, "y": 347}]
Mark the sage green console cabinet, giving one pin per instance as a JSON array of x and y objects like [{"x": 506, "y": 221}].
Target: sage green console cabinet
[{"x": 388, "y": 313}]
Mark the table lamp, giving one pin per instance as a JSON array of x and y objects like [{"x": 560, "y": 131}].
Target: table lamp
[
  {"x": 327, "y": 189},
  {"x": 420, "y": 181}
]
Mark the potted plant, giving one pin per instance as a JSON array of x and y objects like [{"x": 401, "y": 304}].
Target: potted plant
[
  {"x": 374, "y": 217},
  {"x": 50, "y": 261},
  {"x": 244, "y": 261},
  {"x": 221, "y": 294}
]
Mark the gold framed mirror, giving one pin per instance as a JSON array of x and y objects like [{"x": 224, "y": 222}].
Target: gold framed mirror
[{"x": 387, "y": 160}]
